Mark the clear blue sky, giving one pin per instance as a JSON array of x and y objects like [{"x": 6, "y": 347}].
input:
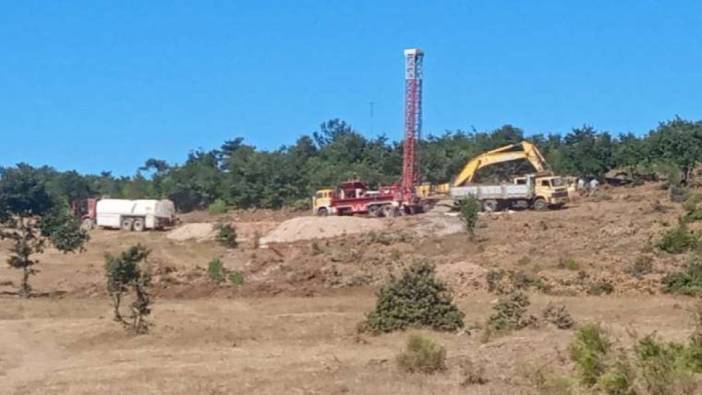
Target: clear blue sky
[{"x": 104, "y": 85}]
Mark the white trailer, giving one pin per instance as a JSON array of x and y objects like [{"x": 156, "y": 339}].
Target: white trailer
[{"x": 136, "y": 215}]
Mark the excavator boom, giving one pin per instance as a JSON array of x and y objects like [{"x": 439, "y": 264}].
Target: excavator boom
[{"x": 507, "y": 153}]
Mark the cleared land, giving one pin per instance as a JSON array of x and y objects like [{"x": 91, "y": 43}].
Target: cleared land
[{"x": 291, "y": 328}]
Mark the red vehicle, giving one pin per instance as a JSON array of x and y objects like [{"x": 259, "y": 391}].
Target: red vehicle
[{"x": 353, "y": 197}]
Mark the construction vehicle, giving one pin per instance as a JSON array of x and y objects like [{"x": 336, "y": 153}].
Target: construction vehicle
[
  {"x": 136, "y": 215},
  {"x": 354, "y": 197},
  {"x": 539, "y": 190}
]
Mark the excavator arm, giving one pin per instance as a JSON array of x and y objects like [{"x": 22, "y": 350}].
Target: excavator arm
[{"x": 503, "y": 154}]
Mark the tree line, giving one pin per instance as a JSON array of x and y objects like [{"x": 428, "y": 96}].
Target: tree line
[{"x": 240, "y": 175}]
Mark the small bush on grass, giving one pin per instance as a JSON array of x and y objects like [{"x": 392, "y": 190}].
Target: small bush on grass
[
  {"x": 558, "y": 316},
  {"x": 570, "y": 264},
  {"x": 687, "y": 282},
  {"x": 678, "y": 240},
  {"x": 469, "y": 209},
  {"x": 219, "y": 206},
  {"x": 662, "y": 365},
  {"x": 215, "y": 269},
  {"x": 618, "y": 378},
  {"x": 124, "y": 272},
  {"x": 415, "y": 299},
  {"x": 642, "y": 266},
  {"x": 589, "y": 352},
  {"x": 236, "y": 278},
  {"x": 510, "y": 313},
  {"x": 422, "y": 355},
  {"x": 600, "y": 287},
  {"x": 226, "y": 235}
]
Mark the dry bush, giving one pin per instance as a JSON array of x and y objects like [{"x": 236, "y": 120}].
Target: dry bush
[
  {"x": 558, "y": 316},
  {"x": 422, "y": 355}
]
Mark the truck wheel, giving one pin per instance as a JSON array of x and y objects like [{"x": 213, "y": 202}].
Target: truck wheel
[
  {"x": 389, "y": 211},
  {"x": 127, "y": 224},
  {"x": 375, "y": 211},
  {"x": 490, "y": 206},
  {"x": 139, "y": 225},
  {"x": 322, "y": 212},
  {"x": 540, "y": 204}
]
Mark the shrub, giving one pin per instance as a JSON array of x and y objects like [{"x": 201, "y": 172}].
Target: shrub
[
  {"x": 601, "y": 287},
  {"x": 678, "y": 240},
  {"x": 558, "y": 316},
  {"x": 226, "y": 235},
  {"x": 589, "y": 352},
  {"x": 414, "y": 299},
  {"x": 471, "y": 373},
  {"x": 570, "y": 264},
  {"x": 687, "y": 282},
  {"x": 422, "y": 355},
  {"x": 662, "y": 366},
  {"x": 215, "y": 269},
  {"x": 236, "y": 278},
  {"x": 219, "y": 206},
  {"x": 642, "y": 266},
  {"x": 509, "y": 313},
  {"x": 124, "y": 272},
  {"x": 469, "y": 209},
  {"x": 693, "y": 211},
  {"x": 618, "y": 379}
]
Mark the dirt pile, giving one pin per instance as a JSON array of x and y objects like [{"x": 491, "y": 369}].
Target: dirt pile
[
  {"x": 199, "y": 231},
  {"x": 309, "y": 228}
]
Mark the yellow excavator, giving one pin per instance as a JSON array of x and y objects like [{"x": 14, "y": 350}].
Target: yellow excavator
[
  {"x": 538, "y": 190},
  {"x": 523, "y": 150}
]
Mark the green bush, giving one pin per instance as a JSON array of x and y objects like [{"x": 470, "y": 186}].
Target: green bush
[
  {"x": 219, "y": 206},
  {"x": 215, "y": 269},
  {"x": 469, "y": 209},
  {"x": 236, "y": 278},
  {"x": 618, "y": 378},
  {"x": 422, "y": 355},
  {"x": 662, "y": 366},
  {"x": 570, "y": 264},
  {"x": 226, "y": 235},
  {"x": 589, "y": 352},
  {"x": 687, "y": 282},
  {"x": 678, "y": 240},
  {"x": 509, "y": 313},
  {"x": 415, "y": 299}
]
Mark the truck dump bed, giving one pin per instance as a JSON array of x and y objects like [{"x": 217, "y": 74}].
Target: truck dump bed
[{"x": 497, "y": 192}]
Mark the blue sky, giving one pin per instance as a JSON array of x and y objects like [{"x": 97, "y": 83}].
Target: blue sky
[{"x": 97, "y": 85}]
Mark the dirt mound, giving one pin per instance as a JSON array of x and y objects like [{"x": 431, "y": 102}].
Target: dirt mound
[
  {"x": 308, "y": 228},
  {"x": 200, "y": 231}
]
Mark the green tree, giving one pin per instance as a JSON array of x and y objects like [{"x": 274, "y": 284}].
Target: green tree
[
  {"x": 677, "y": 142},
  {"x": 123, "y": 272},
  {"x": 31, "y": 217}
]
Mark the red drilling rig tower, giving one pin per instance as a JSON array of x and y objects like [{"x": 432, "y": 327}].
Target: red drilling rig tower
[{"x": 414, "y": 59}]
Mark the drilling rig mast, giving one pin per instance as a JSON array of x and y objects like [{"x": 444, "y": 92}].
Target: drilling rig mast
[{"x": 414, "y": 59}]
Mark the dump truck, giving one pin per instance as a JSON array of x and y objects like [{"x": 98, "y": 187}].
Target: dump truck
[
  {"x": 531, "y": 191},
  {"x": 130, "y": 215},
  {"x": 539, "y": 190}
]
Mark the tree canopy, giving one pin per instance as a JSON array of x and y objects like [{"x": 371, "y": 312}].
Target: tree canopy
[{"x": 244, "y": 176}]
